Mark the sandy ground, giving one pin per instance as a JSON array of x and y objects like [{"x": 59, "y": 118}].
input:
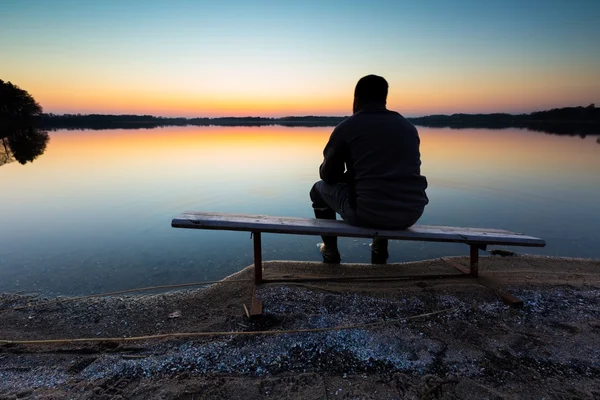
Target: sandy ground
[{"x": 478, "y": 347}]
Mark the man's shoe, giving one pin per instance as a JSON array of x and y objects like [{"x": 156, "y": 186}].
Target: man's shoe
[{"x": 330, "y": 256}]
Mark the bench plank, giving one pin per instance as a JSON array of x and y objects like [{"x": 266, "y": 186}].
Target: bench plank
[{"x": 311, "y": 226}]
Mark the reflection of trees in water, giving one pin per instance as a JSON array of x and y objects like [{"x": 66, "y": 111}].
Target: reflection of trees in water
[
  {"x": 23, "y": 144},
  {"x": 20, "y": 140}
]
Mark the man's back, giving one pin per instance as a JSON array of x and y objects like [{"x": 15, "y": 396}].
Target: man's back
[
  {"x": 381, "y": 152},
  {"x": 371, "y": 171}
]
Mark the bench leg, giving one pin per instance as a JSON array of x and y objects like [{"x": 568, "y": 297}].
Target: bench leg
[
  {"x": 257, "y": 258},
  {"x": 474, "y": 260},
  {"x": 256, "y": 306}
]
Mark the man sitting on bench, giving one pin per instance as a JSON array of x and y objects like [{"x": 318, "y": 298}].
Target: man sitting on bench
[{"x": 371, "y": 171}]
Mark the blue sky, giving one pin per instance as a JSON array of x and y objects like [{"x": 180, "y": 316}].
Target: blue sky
[{"x": 288, "y": 57}]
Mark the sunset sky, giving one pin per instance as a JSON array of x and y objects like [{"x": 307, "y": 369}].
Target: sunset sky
[{"x": 277, "y": 58}]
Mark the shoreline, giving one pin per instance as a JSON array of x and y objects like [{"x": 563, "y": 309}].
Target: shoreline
[{"x": 550, "y": 343}]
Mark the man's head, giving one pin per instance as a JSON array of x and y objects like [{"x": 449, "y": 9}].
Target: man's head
[{"x": 370, "y": 90}]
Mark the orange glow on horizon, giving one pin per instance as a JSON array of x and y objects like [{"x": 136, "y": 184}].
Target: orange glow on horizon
[{"x": 422, "y": 96}]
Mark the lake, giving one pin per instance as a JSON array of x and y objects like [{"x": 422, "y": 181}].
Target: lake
[{"x": 92, "y": 214}]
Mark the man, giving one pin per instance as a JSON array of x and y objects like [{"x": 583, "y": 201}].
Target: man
[{"x": 371, "y": 172}]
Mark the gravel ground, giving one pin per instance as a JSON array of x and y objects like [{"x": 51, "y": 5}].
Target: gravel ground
[{"x": 477, "y": 347}]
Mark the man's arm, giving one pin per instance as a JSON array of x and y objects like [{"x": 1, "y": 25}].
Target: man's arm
[{"x": 333, "y": 166}]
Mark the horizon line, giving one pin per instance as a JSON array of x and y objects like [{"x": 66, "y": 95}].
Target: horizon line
[{"x": 310, "y": 115}]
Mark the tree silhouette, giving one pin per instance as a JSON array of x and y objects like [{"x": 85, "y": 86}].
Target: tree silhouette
[
  {"x": 16, "y": 104},
  {"x": 20, "y": 140}
]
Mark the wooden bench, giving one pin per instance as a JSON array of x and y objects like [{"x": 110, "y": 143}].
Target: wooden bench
[{"x": 475, "y": 238}]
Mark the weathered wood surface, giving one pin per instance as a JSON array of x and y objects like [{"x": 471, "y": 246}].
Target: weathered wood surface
[{"x": 311, "y": 226}]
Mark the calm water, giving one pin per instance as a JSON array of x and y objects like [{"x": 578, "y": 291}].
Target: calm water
[{"x": 93, "y": 212}]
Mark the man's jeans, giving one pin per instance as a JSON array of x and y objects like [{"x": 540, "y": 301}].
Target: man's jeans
[
  {"x": 326, "y": 197},
  {"x": 327, "y": 200},
  {"x": 331, "y": 199}
]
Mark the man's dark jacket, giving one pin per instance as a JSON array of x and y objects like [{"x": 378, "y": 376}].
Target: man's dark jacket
[{"x": 379, "y": 149}]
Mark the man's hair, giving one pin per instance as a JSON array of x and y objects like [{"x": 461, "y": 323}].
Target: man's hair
[{"x": 371, "y": 89}]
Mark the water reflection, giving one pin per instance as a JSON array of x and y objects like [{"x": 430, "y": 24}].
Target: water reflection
[
  {"x": 22, "y": 144},
  {"x": 93, "y": 214}
]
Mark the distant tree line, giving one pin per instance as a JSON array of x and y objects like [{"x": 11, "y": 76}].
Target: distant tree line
[
  {"x": 563, "y": 121},
  {"x": 570, "y": 121}
]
